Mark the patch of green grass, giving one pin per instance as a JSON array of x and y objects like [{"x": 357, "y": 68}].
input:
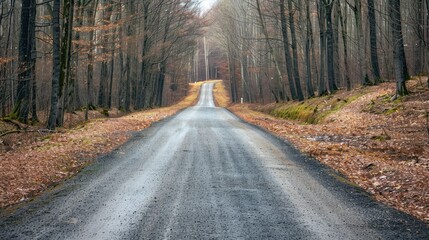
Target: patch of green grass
[
  {"x": 313, "y": 110},
  {"x": 384, "y": 105},
  {"x": 297, "y": 111}
]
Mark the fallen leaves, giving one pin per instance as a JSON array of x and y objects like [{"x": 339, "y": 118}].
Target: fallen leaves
[{"x": 384, "y": 153}]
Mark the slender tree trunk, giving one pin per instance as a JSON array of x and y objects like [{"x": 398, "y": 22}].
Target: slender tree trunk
[
  {"x": 74, "y": 90},
  {"x": 344, "y": 22},
  {"x": 360, "y": 43},
  {"x": 161, "y": 82},
  {"x": 297, "y": 78},
  {"x": 66, "y": 45},
  {"x": 322, "y": 28},
  {"x": 103, "y": 88},
  {"x": 25, "y": 61},
  {"x": 233, "y": 79},
  {"x": 308, "y": 42},
  {"x": 56, "y": 64},
  {"x": 330, "y": 46},
  {"x": 419, "y": 49},
  {"x": 398, "y": 46},
  {"x": 288, "y": 58},
  {"x": 34, "y": 118},
  {"x": 90, "y": 67},
  {"x": 112, "y": 68},
  {"x": 373, "y": 41}
]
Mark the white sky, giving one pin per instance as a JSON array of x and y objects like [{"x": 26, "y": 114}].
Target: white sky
[{"x": 206, "y": 4}]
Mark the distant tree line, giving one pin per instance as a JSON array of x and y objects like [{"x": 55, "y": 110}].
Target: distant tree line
[
  {"x": 60, "y": 56},
  {"x": 277, "y": 50}
]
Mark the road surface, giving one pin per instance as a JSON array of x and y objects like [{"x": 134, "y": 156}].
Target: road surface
[{"x": 205, "y": 174}]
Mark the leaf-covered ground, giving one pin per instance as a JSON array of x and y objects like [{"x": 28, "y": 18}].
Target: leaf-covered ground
[
  {"x": 379, "y": 144},
  {"x": 32, "y": 162}
]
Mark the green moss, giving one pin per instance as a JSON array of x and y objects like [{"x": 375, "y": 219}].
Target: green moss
[
  {"x": 297, "y": 111},
  {"x": 313, "y": 110},
  {"x": 390, "y": 110}
]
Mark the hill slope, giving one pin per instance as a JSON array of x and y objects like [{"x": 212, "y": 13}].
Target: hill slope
[{"x": 382, "y": 146}]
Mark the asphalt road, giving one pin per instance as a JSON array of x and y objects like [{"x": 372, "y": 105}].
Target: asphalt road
[{"x": 205, "y": 174}]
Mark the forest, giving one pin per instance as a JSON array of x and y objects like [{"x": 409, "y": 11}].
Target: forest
[
  {"x": 79, "y": 55},
  {"x": 60, "y": 56},
  {"x": 293, "y": 49}
]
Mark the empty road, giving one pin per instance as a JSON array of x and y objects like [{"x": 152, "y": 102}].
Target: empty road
[{"x": 205, "y": 174}]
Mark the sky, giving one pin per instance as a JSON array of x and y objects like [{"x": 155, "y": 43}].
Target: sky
[{"x": 206, "y": 4}]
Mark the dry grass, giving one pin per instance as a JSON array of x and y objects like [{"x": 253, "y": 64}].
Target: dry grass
[{"x": 221, "y": 95}]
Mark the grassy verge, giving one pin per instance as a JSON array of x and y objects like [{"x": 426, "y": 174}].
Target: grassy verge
[{"x": 221, "y": 95}]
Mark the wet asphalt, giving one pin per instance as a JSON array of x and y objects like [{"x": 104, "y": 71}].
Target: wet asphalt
[{"x": 205, "y": 174}]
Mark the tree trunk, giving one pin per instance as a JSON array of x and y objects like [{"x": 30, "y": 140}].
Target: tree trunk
[
  {"x": 56, "y": 68},
  {"x": 360, "y": 43},
  {"x": 398, "y": 46},
  {"x": 233, "y": 79},
  {"x": 297, "y": 78},
  {"x": 75, "y": 101},
  {"x": 25, "y": 61},
  {"x": 373, "y": 41},
  {"x": 34, "y": 118},
  {"x": 65, "y": 56},
  {"x": 322, "y": 28},
  {"x": 330, "y": 46},
  {"x": 288, "y": 58},
  {"x": 308, "y": 42},
  {"x": 143, "y": 80},
  {"x": 90, "y": 14},
  {"x": 343, "y": 21},
  {"x": 103, "y": 88}
]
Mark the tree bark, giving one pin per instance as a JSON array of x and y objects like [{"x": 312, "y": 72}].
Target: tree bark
[
  {"x": 297, "y": 78},
  {"x": 90, "y": 15},
  {"x": 65, "y": 56},
  {"x": 343, "y": 21},
  {"x": 288, "y": 58},
  {"x": 373, "y": 41},
  {"x": 26, "y": 60},
  {"x": 308, "y": 43},
  {"x": 398, "y": 47},
  {"x": 322, "y": 30},
  {"x": 103, "y": 88},
  {"x": 360, "y": 43},
  {"x": 330, "y": 46},
  {"x": 56, "y": 68}
]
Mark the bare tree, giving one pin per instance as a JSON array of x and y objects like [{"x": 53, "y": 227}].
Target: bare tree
[{"x": 398, "y": 47}]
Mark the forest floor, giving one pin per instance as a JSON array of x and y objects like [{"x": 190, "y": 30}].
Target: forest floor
[
  {"x": 33, "y": 160},
  {"x": 378, "y": 144}
]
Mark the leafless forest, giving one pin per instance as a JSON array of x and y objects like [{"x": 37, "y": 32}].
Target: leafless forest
[
  {"x": 61, "y": 56},
  {"x": 295, "y": 49}
]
